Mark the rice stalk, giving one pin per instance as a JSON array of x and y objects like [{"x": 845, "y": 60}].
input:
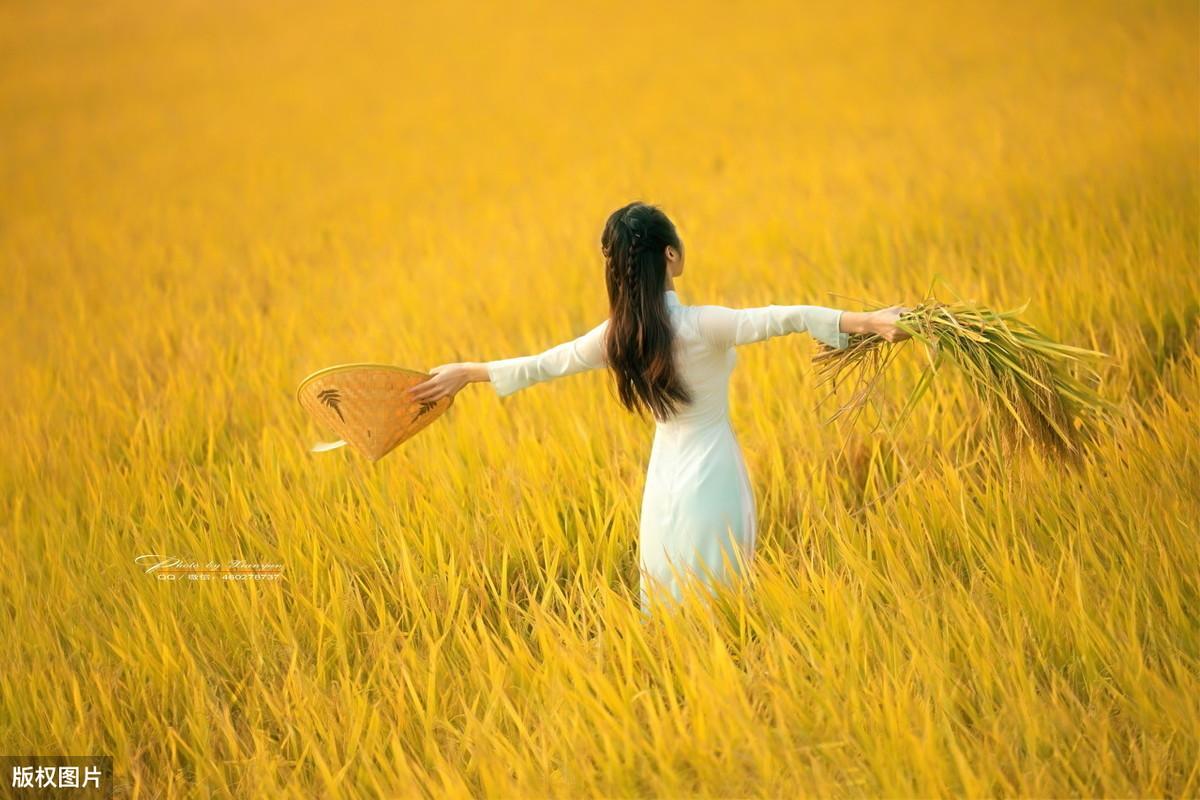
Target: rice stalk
[{"x": 1037, "y": 391}]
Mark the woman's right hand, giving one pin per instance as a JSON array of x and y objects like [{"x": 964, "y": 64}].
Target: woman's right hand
[{"x": 883, "y": 323}]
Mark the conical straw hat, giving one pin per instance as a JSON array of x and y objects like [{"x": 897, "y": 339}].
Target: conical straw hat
[{"x": 368, "y": 405}]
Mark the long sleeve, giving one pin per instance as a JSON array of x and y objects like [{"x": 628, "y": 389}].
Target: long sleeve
[
  {"x": 507, "y": 375},
  {"x": 725, "y": 327}
]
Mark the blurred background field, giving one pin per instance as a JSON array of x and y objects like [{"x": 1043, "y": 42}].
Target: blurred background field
[{"x": 205, "y": 201}]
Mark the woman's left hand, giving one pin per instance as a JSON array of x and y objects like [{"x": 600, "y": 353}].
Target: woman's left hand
[{"x": 446, "y": 380}]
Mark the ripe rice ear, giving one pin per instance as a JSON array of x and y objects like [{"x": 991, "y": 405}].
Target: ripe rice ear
[{"x": 1037, "y": 391}]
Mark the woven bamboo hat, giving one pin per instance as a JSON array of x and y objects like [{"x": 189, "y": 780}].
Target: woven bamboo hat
[{"x": 368, "y": 405}]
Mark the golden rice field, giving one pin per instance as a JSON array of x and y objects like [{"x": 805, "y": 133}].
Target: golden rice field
[{"x": 205, "y": 201}]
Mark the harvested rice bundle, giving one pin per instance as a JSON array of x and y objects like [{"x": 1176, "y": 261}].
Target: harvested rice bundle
[{"x": 1027, "y": 380}]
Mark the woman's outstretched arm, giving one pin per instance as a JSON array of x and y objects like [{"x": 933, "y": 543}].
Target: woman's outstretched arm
[
  {"x": 507, "y": 375},
  {"x": 724, "y": 327}
]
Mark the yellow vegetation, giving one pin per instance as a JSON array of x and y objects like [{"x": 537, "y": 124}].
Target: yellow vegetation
[{"x": 205, "y": 201}]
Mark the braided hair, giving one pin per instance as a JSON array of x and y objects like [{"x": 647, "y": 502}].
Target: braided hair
[{"x": 640, "y": 338}]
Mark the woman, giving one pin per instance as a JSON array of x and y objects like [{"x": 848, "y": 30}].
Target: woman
[{"x": 674, "y": 360}]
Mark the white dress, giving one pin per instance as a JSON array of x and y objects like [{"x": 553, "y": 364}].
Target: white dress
[{"x": 697, "y": 499}]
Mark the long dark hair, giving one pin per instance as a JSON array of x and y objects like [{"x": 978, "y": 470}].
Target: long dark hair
[{"x": 639, "y": 339}]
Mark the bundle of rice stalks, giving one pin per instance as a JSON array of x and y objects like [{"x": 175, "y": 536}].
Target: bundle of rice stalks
[{"x": 1037, "y": 390}]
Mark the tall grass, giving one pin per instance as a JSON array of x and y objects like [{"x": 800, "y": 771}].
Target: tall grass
[{"x": 203, "y": 202}]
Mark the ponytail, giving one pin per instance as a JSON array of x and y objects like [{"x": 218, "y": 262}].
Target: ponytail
[{"x": 639, "y": 340}]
